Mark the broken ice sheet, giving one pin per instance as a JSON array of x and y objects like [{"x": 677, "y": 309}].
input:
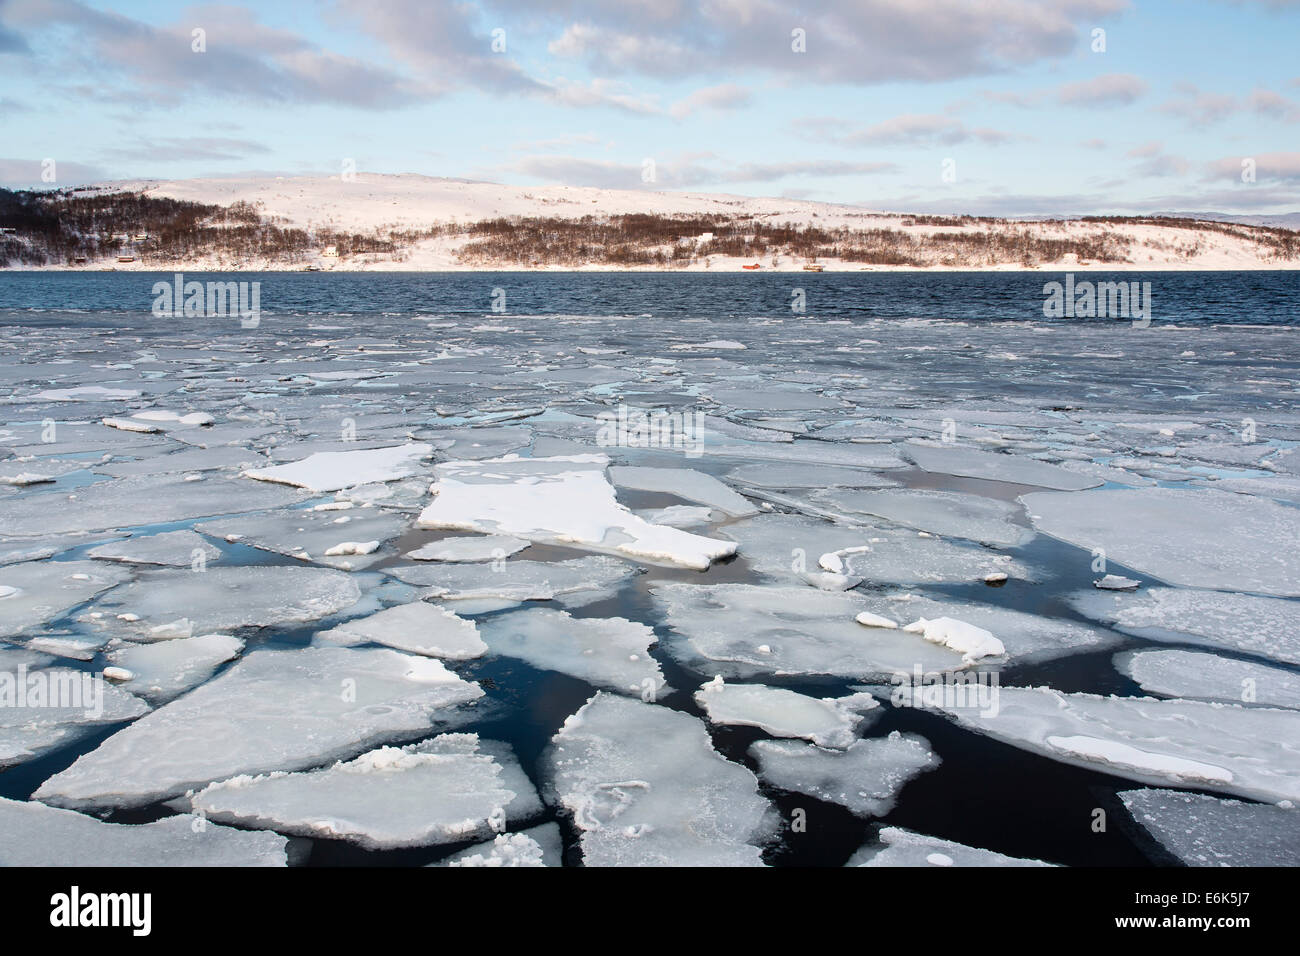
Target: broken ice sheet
[
  {"x": 865, "y": 778},
  {"x": 646, "y": 788},
  {"x": 171, "y": 548},
  {"x": 899, "y": 847},
  {"x": 221, "y": 599},
  {"x": 333, "y": 471},
  {"x": 782, "y": 477},
  {"x": 1211, "y": 677},
  {"x": 1268, "y": 627},
  {"x": 575, "y": 581},
  {"x": 685, "y": 483},
  {"x": 562, "y": 500},
  {"x": 310, "y": 534},
  {"x": 939, "y": 512},
  {"x": 32, "y": 834},
  {"x": 681, "y": 516},
  {"x": 34, "y": 593},
  {"x": 75, "y": 438},
  {"x": 36, "y": 471},
  {"x": 790, "y": 546},
  {"x": 167, "y": 669},
  {"x": 32, "y": 725},
  {"x": 1025, "y": 637},
  {"x": 1194, "y": 538},
  {"x": 827, "y": 722},
  {"x": 233, "y": 458},
  {"x": 1247, "y": 751},
  {"x": 142, "y": 500},
  {"x": 442, "y": 790},
  {"x": 487, "y": 547},
  {"x": 418, "y": 627},
  {"x": 810, "y": 452},
  {"x": 1201, "y": 830},
  {"x": 744, "y": 630},
  {"x": 606, "y": 652},
  {"x": 272, "y": 710},
  {"x": 964, "y": 461}
]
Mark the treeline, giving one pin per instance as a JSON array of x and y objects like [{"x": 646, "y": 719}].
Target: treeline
[
  {"x": 666, "y": 240},
  {"x": 1278, "y": 242},
  {"x": 65, "y": 227}
]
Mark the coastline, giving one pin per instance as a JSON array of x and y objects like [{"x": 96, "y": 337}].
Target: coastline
[{"x": 726, "y": 269}]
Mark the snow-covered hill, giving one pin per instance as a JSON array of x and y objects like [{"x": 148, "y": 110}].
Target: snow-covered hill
[{"x": 384, "y": 204}]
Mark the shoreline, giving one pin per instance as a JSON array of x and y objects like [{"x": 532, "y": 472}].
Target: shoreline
[{"x": 1053, "y": 268}]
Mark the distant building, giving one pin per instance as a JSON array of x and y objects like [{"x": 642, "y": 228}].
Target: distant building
[
  {"x": 331, "y": 252},
  {"x": 126, "y": 258},
  {"x": 705, "y": 237},
  {"x": 140, "y": 237}
]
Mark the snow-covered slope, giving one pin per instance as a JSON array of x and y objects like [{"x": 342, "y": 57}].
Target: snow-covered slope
[{"x": 380, "y": 205}]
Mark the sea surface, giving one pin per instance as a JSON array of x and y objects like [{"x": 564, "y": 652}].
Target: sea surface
[
  {"x": 911, "y": 350},
  {"x": 1255, "y": 298}
]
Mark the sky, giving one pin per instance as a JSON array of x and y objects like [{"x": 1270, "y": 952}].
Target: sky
[{"x": 987, "y": 107}]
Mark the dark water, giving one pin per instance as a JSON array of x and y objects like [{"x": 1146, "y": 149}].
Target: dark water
[{"x": 1260, "y": 298}]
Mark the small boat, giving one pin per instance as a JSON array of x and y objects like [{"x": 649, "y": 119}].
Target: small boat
[
  {"x": 754, "y": 266},
  {"x": 812, "y": 267}
]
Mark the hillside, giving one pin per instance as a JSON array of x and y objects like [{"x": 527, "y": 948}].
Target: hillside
[{"x": 420, "y": 223}]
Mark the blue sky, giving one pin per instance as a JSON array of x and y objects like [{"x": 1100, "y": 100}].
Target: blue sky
[{"x": 1031, "y": 118}]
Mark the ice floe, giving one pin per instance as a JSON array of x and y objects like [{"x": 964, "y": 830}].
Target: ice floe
[
  {"x": 792, "y": 547},
  {"x": 332, "y": 471},
  {"x": 939, "y": 512},
  {"x": 221, "y": 599},
  {"x": 272, "y": 710},
  {"x": 1247, "y": 751},
  {"x": 1194, "y": 538},
  {"x": 1201, "y": 830},
  {"x": 827, "y": 722},
  {"x": 606, "y": 652},
  {"x": 899, "y": 847},
  {"x": 684, "y": 483},
  {"x": 1268, "y": 627},
  {"x": 646, "y": 788},
  {"x": 443, "y": 790},
  {"x": 162, "y": 671},
  {"x": 488, "y": 547},
  {"x": 577, "y": 580},
  {"x": 744, "y": 630},
  {"x": 993, "y": 466},
  {"x": 44, "y": 708},
  {"x": 1211, "y": 677},
  {"x": 864, "y": 778},
  {"x": 141, "y": 500},
  {"x": 170, "y": 548},
  {"x": 561, "y": 500},
  {"x": 418, "y": 627},
  {"x": 32, "y": 834},
  {"x": 35, "y": 592}
]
